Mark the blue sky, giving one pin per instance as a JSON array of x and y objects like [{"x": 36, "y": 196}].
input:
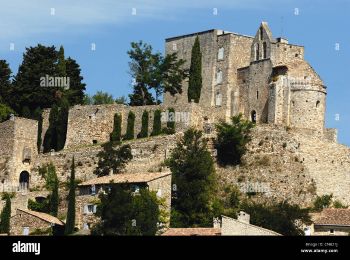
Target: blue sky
[{"x": 110, "y": 24}]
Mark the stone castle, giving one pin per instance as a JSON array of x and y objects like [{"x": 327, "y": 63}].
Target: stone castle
[{"x": 264, "y": 78}]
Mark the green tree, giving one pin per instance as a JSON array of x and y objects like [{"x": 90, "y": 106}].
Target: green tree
[
  {"x": 130, "y": 128},
  {"x": 193, "y": 176},
  {"x": 102, "y": 98},
  {"x": 117, "y": 129},
  {"x": 70, "y": 222},
  {"x": 170, "y": 124},
  {"x": 61, "y": 65},
  {"x": 52, "y": 184},
  {"x": 26, "y": 113},
  {"x": 5, "y": 112},
  {"x": 75, "y": 93},
  {"x": 5, "y": 215},
  {"x": 125, "y": 214},
  {"x": 5, "y": 82},
  {"x": 322, "y": 202},
  {"x": 111, "y": 159},
  {"x": 195, "y": 73},
  {"x": 50, "y": 138},
  {"x": 121, "y": 100},
  {"x": 144, "y": 127},
  {"x": 232, "y": 140},
  {"x": 157, "y": 123}
]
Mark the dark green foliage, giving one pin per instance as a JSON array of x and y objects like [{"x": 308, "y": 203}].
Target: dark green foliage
[
  {"x": 322, "y": 202},
  {"x": 70, "y": 222},
  {"x": 130, "y": 128},
  {"x": 5, "y": 112},
  {"x": 125, "y": 214},
  {"x": 144, "y": 127},
  {"x": 61, "y": 65},
  {"x": 52, "y": 184},
  {"x": 117, "y": 129},
  {"x": 193, "y": 175},
  {"x": 195, "y": 75},
  {"x": 279, "y": 217},
  {"x": 5, "y": 82},
  {"x": 111, "y": 159},
  {"x": 121, "y": 100},
  {"x": 101, "y": 98},
  {"x": 232, "y": 140},
  {"x": 153, "y": 71},
  {"x": 157, "y": 123},
  {"x": 26, "y": 113},
  {"x": 39, "y": 206},
  {"x": 75, "y": 93},
  {"x": 338, "y": 205},
  {"x": 170, "y": 125},
  {"x": 5, "y": 215},
  {"x": 50, "y": 138}
]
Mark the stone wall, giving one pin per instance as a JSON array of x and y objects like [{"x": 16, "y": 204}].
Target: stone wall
[{"x": 22, "y": 220}]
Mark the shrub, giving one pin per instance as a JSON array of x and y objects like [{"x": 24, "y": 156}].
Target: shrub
[
  {"x": 157, "y": 124},
  {"x": 144, "y": 127},
  {"x": 117, "y": 129},
  {"x": 130, "y": 127}
]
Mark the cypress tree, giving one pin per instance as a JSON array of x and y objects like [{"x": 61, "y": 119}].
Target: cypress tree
[
  {"x": 62, "y": 123},
  {"x": 61, "y": 63},
  {"x": 52, "y": 183},
  {"x": 144, "y": 127},
  {"x": 195, "y": 77},
  {"x": 130, "y": 127},
  {"x": 50, "y": 138},
  {"x": 157, "y": 124},
  {"x": 117, "y": 129},
  {"x": 5, "y": 215},
  {"x": 70, "y": 222},
  {"x": 170, "y": 124}
]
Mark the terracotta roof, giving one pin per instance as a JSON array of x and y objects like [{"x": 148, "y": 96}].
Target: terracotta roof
[
  {"x": 43, "y": 216},
  {"x": 126, "y": 178},
  {"x": 339, "y": 217},
  {"x": 192, "y": 232}
]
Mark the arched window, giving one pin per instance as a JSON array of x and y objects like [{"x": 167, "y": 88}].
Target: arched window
[
  {"x": 221, "y": 53},
  {"x": 218, "y": 99},
  {"x": 318, "y": 103},
  {"x": 253, "y": 116},
  {"x": 261, "y": 33},
  {"x": 219, "y": 77},
  {"x": 257, "y": 51},
  {"x": 264, "y": 50},
  {"x": 24, "y": 180}
]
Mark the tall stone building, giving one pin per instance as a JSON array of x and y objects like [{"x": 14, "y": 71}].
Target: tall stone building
[{"x": 264, "y": 78}]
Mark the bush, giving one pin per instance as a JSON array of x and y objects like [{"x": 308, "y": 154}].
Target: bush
[
  {"x": 130, "y": 127},
  {"x": 157, "y": 124},
  {"x": 115, "y": 136},
  {"x": 144, "y": 127},
  {"x": 322, "y": 202}
]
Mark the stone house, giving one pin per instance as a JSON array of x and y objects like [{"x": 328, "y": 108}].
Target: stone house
[
  {"x": 331, "y": 222},
  {"x": 87, "y": 200},
  {"x": 28, "y": 222},
  {"x": 242, "y": 227}
]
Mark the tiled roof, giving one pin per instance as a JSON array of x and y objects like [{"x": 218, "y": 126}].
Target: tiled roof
[
  {"x": 126, "y": 178},
  {"x": 43, "y": 216},
  {"x": 192, "y": 232},
  {"x": 339, "y": 217}
]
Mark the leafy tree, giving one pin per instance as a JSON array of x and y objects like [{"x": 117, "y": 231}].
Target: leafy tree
[
  {"x": 5, "y": 112},
  {"x": 5, "y": 215},
  {"x": 52, "y": 184},
  {"x": 101, "y": 98},
  {"x": 87, "y": 100},
  {"x": 322, "y": 202},
  {"x": 70, "y": 222},
  {"x": 117, "y": 129},
  {"x": 111, "y": 159},
  {"x": 130, "y": 126},
  {"x": 232, "y": 140},
  {"x": 193, "y": 175},
  {"x": 125, "y": 214},
  {"x": 5, "y": 82},
  {"x": 170, "y": 129},
  {"x": 42, "y": 206},
  {"x": 195, "y": 74},
  {"x": 61, "y": 65},
  {"x": 280, "y": 217},
  {"x": 144, "y": 127},
  {"x": 121, "y": 100},
  {"x": 157, "y": 123},
  {"x": 153, "y": 71}
]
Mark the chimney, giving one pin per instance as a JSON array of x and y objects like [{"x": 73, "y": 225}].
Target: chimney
[{"x": 243, "y": 217}]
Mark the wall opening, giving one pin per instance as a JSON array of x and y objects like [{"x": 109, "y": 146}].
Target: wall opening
[
  {"x": 219, "y": 77},
  {"x": 253, "y": 116},
  {"x": 261, "y": 34},
  {"x": 257, "y": 51},
  {"x": 218, "y": 99},
  {"x": 257, "y": 94},
  {"x": 221, "y": 53},
  {"x": 94, "y": 141},
  {"x": 24, "y": 180},
  {"x": 264, "y": 50},
  {"x": 318, "y": 103}
]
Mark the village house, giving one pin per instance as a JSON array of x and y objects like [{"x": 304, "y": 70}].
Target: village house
[{"x": 331, "y": 222}]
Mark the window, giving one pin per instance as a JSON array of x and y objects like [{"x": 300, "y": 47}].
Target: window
[
  {"x": 26, "y": 231},
  {"x": 256, "y": 51},
  {"x": 331, "y": 231},
  {"x": 221, "y": 53},
  {"x": 90, "y": 209},
  {"x": 318, "y": 103},
  {"x": 94, "y": 141},
  {"x": 264, "y": 50},
  {"x": 93, "y": 190},
  {"x": 253, "y": 116},
  {"x": 219, "y": 77},
  {"x": 257, "y": 94},
  {"x": 261, "y": 33},
  {"x": 218, "y": 99}
]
